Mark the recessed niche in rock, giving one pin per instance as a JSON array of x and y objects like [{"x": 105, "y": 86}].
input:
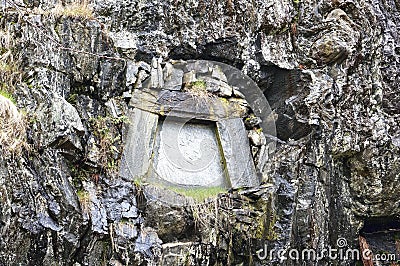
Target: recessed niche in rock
[
  {"x": 189, "y": 154},
  {"x": 196, "y": 124},
  {"x": 284, "y": 90}
]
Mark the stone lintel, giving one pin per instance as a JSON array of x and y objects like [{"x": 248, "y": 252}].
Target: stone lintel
[{"x": 185, "y": 105}]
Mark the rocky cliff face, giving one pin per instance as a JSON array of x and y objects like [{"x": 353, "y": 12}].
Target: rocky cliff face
[{"x": 329, "y": 70}]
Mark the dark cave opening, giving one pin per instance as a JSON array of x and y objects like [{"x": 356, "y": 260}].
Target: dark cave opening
[
  {"x": 285, "y": 91},
  {"x": 381, "y": 235},
  {"x": 380, "y": 224}
]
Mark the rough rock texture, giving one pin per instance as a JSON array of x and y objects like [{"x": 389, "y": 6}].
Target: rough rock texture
[{"x": 329, "y": 70}]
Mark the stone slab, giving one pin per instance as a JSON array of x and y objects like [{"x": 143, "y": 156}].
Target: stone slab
[
  {"x": 189, "y": 155},
  {"x": 236, "y": 149},
  {"x": 139, "y": 146},
  {"x": 185, "y": 105}
]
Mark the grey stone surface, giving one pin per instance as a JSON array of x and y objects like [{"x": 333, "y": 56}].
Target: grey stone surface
[
  {"x": 167, "y": 70},
  {"x": 132, "y": 70},
  {"x": 238, "y": 94},
  {"x": 189, "y": 77},
  {"x": 60, "y": 123},
  {"x": 198, "y": 66},
  {"x": 261, "y": 158},
  {"x": 160, "y": 75},
  {"x": 156, "y": 79},
  {"x": 252, "y": 121},
  {"x": 154, "y": 82},
  {"x": 218, "y": 74},
  {"x": 237, "y": 156},
  {"x": 138, "y": 149},
  {"x": 125, "y": 41},
  {"x": 148, "y": 242},
  {"x": 173, "y": 78},
  {"x": 127, "y": 95},
  {"x": 142, "y": 81},
  {"x": 218, "y": 86},
  {"x": 94, "y": 205},
  {"x": 188, "y": 154}
]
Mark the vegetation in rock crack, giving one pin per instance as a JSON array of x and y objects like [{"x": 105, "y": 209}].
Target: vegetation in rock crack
[
  {"x": 79, "y": 174},
  {"x": 197, "y": 88},
  {"x": 107, "y": 139},
  {"x": 138, "y": 182},
  {"x": 12, "y": 127},
  {"x": 9, "y": 75},
  {"x": 209, "y": 214},
  {"x": 76, "y": 9},
  {"x": 84, "y": 200},
  {"x": 12, "y": 122},
  {"x": 327, "y": 166},
  {"x": 10, "y": 70}
]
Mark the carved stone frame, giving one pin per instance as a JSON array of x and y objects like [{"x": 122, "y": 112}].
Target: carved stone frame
[{"x": 147, "y": 107}]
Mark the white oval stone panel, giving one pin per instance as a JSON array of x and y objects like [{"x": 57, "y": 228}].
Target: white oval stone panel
[{"x": 188, "y": 154}]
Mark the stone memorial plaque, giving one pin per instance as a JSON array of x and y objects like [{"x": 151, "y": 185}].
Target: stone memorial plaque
[{"x": 189, "y": 155}]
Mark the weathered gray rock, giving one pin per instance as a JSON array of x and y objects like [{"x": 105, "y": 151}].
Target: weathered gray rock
[
  {"x": 60, "y": 124},
  {"x": 97, "y": 212},
  {"x": 219, "y": 87},
  {"x": 170, "y": 219},
  {"x": 154, "y": 78},
  {"x": 125, "y": 41},
  {"x": 189, "y": 77},
  {"x": 201, "y": 67},
  {"x": 174, "y": 250},
  {"x": 252, "y": 121},
  {"x": 238, "y": 94},
  {"x": 261, "y": 158},
  {"x": 142, "y": 76},
  {"x": 173, "y": 78},
  {"x": 148, "y": 243},
  {"x": 256, "y": 137},
  {"x": 132, "y": 70},
  {"x": 335, "y": 46},
  {"x": 217, "y": 73}
]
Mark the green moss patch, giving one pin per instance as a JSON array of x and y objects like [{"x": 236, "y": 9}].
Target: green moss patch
[
  {"x": 199, "y": 193},
  {"x": 7, "y": 95}
]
